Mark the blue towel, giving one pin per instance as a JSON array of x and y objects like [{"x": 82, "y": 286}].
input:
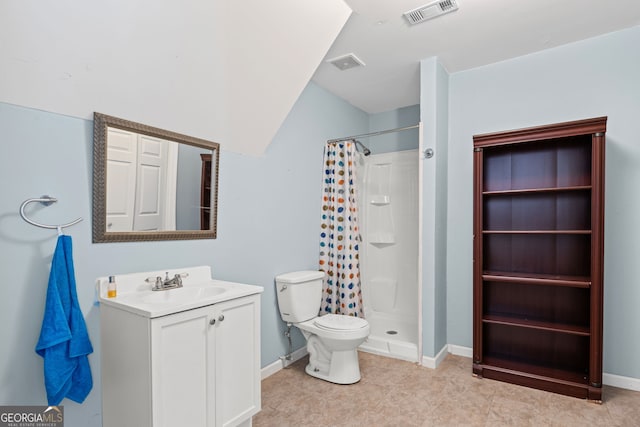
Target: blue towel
[{"x": 64, "y": 341}]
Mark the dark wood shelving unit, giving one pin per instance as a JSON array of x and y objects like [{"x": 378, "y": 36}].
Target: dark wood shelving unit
[
  {"x": 538, "y": 257},
  {"x": 537, "y": 279},
  {"x": 205, "y": 192}
]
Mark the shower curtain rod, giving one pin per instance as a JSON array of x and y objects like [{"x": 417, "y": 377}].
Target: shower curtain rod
[{"x": 382, "y": 132}]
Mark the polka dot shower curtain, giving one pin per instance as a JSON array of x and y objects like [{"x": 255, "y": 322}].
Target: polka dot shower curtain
[{"x": 339, "y": 233}]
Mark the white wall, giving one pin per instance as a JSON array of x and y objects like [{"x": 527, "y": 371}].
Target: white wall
[
  {"x": 218, "y": 70},
  {"x": 591, "y": 78},
  {"x": 269, "y": 211}
]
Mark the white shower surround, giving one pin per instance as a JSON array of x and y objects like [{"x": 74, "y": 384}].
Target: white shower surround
[{"x": 388, "y": 188}]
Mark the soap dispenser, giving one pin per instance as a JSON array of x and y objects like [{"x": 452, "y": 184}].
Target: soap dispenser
[{"x": 111, "y": 287}]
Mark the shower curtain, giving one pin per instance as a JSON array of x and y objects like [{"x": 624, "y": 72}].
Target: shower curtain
[{"x": 339, "y": 233}]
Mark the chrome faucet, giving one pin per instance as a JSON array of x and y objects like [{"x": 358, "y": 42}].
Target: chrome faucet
[{"x": 162, "y": 285}]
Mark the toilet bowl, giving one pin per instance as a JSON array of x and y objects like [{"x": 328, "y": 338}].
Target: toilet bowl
[{"x": 332, "y": 340}]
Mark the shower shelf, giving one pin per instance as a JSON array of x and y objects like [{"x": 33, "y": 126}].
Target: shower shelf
[
  {"x": 382, "y": 238},
  {"x": 379, "y": 199}
]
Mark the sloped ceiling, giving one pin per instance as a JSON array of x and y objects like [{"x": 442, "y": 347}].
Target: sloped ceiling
[
  {"x": 228, "y": 71},
  {"x": 481, "y": 32}
]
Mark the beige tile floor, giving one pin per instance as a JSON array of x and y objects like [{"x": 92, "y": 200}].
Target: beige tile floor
[{"x": 398, "y": 393}]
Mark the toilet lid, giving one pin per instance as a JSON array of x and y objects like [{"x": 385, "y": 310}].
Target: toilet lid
[{"x": 340, "y": 323}]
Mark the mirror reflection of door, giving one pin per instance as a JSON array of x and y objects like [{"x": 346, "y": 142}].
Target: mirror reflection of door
[{"x": 141, "y": 182}]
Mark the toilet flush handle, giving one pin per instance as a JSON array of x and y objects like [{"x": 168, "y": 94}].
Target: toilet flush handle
[{"x": 284, "y": 287}]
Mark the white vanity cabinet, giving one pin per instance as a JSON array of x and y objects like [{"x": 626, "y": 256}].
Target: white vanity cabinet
[{"x": 199, "y": 367}]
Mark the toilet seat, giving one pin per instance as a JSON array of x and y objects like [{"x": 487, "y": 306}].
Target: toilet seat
[
  {"x": 339, "y": 329},
  {"x": 336, "y": 322}
]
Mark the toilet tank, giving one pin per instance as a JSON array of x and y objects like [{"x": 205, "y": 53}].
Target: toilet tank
[{"x": 299, "y": 295}]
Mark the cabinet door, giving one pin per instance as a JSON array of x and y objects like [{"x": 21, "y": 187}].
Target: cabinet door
[
  {"x": 182, "y": 369},
  {"x": 237, "y": 355}
]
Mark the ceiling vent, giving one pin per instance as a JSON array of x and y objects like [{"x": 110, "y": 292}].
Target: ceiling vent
[
  {"x": 347, "y": 61},
  {"x": 430, "y": 11}
]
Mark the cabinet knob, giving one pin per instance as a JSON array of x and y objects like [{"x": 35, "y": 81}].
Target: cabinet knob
[
  {"x": 221, "y": 317},
  {"x": 212, "y": 322}
]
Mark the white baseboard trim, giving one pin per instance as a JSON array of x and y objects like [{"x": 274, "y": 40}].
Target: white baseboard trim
[
  {"x": 276, "y": 366},
  {"x": 271, "y": 369},
  {"x": 459, "y": 350},
  {"x": 628, "y": 383},
  {"x": 433, "y": 362}
]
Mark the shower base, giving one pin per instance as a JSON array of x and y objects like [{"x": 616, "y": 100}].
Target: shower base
[{"x": 392, "y": 336}]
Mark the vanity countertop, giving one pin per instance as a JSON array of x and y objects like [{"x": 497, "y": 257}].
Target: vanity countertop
[{"x": 134, "y": 293}]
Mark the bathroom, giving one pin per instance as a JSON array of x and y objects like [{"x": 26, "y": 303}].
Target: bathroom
[{"x": 269, "y": 204}]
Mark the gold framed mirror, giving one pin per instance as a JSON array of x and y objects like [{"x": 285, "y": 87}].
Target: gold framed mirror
[{"x": 152, "y": 184}]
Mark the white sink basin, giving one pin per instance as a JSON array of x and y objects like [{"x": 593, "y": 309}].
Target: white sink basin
[
  {"x": 199, "y": 290},
  {"x": 179, "y": 295}
]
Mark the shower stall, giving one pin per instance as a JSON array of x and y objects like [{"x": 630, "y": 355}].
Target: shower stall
[
  {"x": 389, "y": 173},
  {"x": 388, "y": 188}
]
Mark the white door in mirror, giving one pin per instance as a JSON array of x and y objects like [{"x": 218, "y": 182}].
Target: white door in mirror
[{"x": 137, "y": 171}]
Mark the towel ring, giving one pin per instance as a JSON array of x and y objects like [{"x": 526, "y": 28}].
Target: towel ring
[{"x": 45, "y": 200}]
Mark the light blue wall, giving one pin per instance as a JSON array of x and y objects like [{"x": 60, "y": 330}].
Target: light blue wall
[
  {"x": 434, "y": 116},
  {"x": 396, "y": 141},
  {"x": 268, "y": 221},
  {"x": 441, "y": 164},
  {"x": 591, "y": 78}
]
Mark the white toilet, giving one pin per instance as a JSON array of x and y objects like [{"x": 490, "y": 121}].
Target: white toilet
[{"x": 332, "y": 339}]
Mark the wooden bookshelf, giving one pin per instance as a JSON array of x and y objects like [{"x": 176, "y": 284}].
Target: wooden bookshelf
[{"x": 538, "y": 257}]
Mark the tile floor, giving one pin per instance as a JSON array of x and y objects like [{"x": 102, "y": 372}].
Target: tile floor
[{"x": 397, "y": 393}]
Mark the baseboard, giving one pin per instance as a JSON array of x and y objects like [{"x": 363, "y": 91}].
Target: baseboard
[
  {"x": 628, "y": 383},
  {"x": 433, "y": 362},
  {"x": 276, "y": 366},
  {"x": 459, "y": 350}
]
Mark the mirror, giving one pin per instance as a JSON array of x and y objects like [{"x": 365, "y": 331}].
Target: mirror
[{"x": 152, "y": 184}]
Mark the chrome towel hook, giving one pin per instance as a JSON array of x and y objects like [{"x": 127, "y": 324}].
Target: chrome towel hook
[{"x": 45, "y": 200}]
